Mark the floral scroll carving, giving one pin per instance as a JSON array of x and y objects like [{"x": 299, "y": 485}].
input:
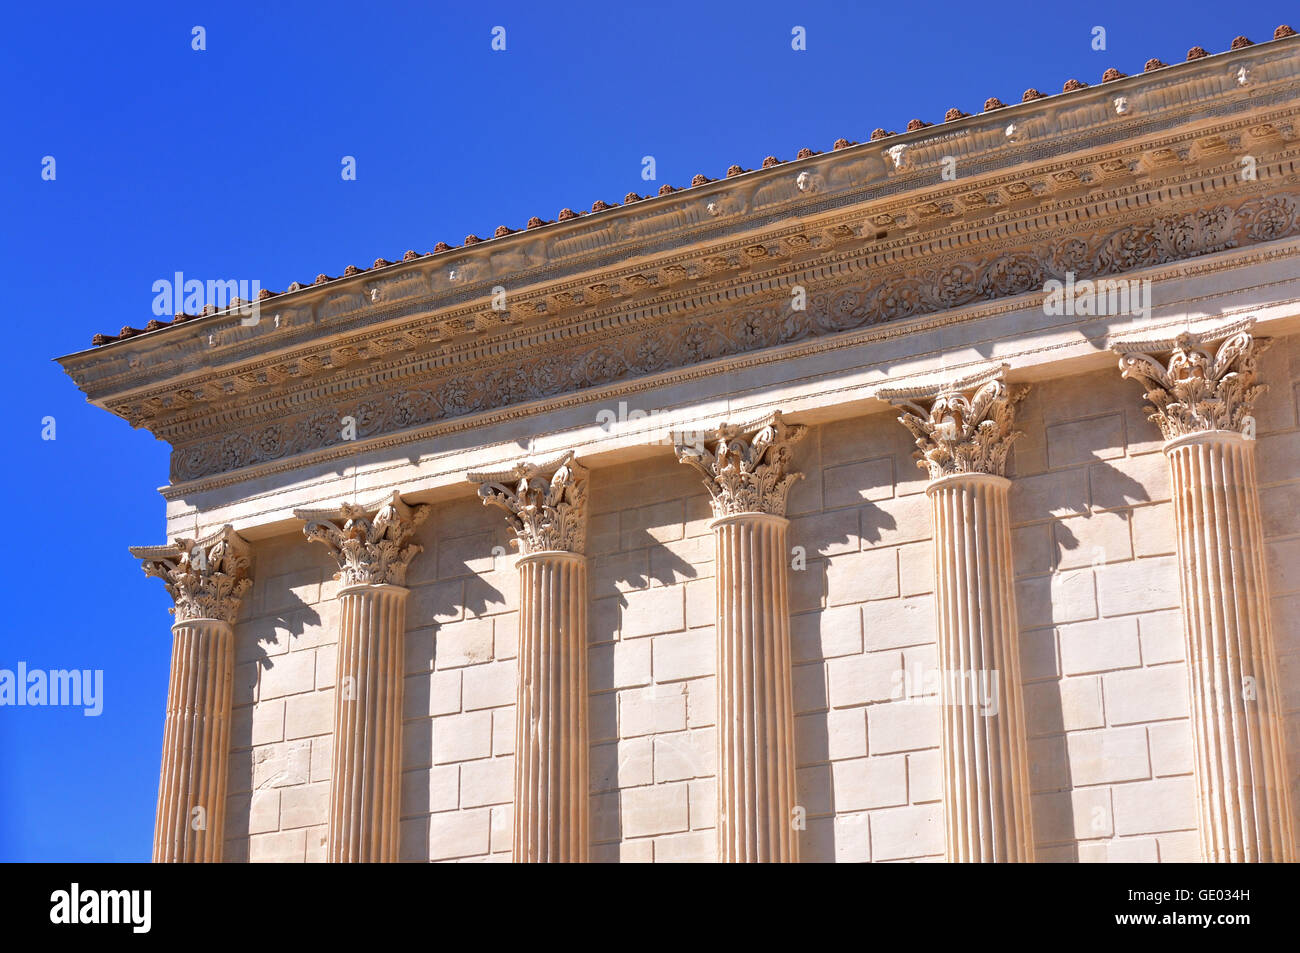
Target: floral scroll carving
[
  {"x": 206, "y": 578},
  {"x": 491, "y": 383}
]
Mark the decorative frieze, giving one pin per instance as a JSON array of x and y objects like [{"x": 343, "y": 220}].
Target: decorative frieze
[
  {"x": 623, "y": 345},
  {"x": 206, "y": 578},
  {"x": 963, "y": 431},
  {"x": 370, "y": 549},
  {"x": 746, "y": 466},
  {"x": 546, "y": 503},
  {"x": 1202, "y": 388},
  {"x": 960, "y": 427}
]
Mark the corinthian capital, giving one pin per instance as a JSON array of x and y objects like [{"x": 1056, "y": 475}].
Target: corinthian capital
[
  {"x": 546, "y": 503},
  {"x": 1193, "y": 385},
  {"x": 370, "y": 550},
  {"x": 206, "y": 578},
  {"x": 960, "y": 427},
  {"x": 745, "y": 465}
]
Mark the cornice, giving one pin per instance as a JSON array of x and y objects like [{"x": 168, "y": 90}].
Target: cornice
[
  {"x": 1075, "y": 165},
  {"x": 288, "y": 386},
  {"x": 1055, "y": 125},
  {"x": 627, "y": 348},
  {"x": 732, "y": 366}
]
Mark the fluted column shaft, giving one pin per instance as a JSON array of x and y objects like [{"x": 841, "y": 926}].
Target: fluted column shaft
[
  {"x": 551, "y": 737},
  {"x": 756, "y": 770},
  {"x": 365, "y": 780},
  {"x": 1236, "y": 719},
  {"x": 207, "y": 579},
  {"x": 546, "y": 506},
  {"x": 1203, "y": 386},
  {"x": 985, "y": 758},
  {"x": 191, "y": 816}
]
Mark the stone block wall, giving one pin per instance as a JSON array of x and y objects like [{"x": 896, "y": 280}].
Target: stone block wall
[{"x": 1102, "y": 654}]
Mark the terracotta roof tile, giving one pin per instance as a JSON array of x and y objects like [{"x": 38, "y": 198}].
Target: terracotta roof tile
[{"x": 567, "y": 214}]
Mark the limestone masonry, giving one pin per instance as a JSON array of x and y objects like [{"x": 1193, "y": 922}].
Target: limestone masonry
[{"x": 839, "y": 510}]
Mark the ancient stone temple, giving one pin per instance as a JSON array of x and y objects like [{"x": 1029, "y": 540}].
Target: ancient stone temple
[{"x": 934, "y": 497}]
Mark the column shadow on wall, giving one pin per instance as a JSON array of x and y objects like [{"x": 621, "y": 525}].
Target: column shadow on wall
[
  {"x": 809, "y": 596},
  {"x": 475, "y": 598},
  {"x": 262, "y": 631},
  {"x": 666, "y": 569},
  {"x": 1056, "y": 826}
]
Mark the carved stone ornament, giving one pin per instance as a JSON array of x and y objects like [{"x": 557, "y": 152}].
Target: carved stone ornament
[
  {"x": 1197, "y": 387},
  {"x": 546, "y": 503},
  {"x": 745, "y": 465},
  {"x": 960, "y": 427},
  {"x": 652, "y": 344},
  {"x": 206, "y": 578},
  {"x": 370, "y": 550}
]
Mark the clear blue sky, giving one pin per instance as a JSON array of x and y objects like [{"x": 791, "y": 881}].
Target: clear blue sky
[{"x": 226, "y": 163}]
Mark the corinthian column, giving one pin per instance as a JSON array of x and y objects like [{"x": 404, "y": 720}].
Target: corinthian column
[
  {"x": 365, "y": 780},
  {"x": 1201, "y": 399},
  {"x": 207, "y": 579},
  {"x": 745, "y": 471},
  {"x": 546, "y": 505},
  {"x": 963, "y": 433}
]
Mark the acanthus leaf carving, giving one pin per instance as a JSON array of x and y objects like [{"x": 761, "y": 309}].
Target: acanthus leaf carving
[
  {"x": 1197, "y": 387},
  {"x": 546, "y": 503},
  {"x": 746, "y": 466},
  {"x": 370, "y": 550},
  {"x": 964, "y": 426},
  {"x": 207, "y": 578}
]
